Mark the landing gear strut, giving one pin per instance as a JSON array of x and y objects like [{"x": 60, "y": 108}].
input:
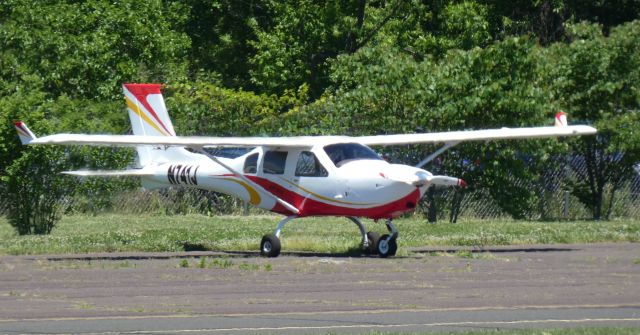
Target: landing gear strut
[
  {"x": 369, "y": 239},
  {"x": 270, "y": 244},
  {"x": 372, "y": 242}
]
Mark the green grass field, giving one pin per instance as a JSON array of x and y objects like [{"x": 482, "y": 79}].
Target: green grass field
[{"x": 114, "y": 232}]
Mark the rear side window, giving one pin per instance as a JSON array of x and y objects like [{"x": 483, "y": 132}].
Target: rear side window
[
  {"x": 308, "y": 166},
  {"x": 274, "y": 162},
  {"x": 251, "y": 164}
]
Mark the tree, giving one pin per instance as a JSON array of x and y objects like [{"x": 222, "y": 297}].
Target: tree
[
  {"x": 221, "y": 34},
  {"x": 88, "y": 49},
  {"x": 208, "y": 109},
  {"x": 595, "y": 80}
]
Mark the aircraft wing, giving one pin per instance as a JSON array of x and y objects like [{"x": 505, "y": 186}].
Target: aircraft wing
[
  {"x": 187, "y": 141},
  {"x": 477, "y": 135},
  {"x": 309, "y": 141}
]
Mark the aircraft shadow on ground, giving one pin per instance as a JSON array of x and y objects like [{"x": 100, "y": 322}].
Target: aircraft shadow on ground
[{"x": 200, "y": 250}]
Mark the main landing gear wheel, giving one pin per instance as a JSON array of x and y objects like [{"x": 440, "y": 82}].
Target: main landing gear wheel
[
  {"x": 386, "y": 247},
  {"x": 373, "y": 239},
  {"x": 270, "y": 246}
]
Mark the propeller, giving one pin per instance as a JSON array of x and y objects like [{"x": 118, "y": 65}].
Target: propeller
[
  {"x": 419, "y": 177},
  {"x": 447, "y": 181}
]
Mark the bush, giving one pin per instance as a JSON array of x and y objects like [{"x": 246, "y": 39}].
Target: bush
[{"x": 35, "y": 190}]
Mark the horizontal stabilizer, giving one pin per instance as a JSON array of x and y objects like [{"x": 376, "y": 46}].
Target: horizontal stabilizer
[
  {"x": 24, "y": 133},
  {"x": 108, "y": 173}
]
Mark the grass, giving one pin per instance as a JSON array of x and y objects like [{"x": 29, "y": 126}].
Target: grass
[
  {"x": 223, "y": 263},
  {"x": 118, "y": 233}
]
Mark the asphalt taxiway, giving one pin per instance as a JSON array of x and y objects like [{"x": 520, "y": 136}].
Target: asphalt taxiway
[{"x": 240, "y": 293}]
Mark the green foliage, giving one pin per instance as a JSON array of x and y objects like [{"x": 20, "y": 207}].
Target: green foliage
[
  {"x": 267, "y": 67},
  {"x": 89, "y": 49},
  {"x": 303, "y": 36},
  {"x": 450, "y": 25},
  {"x": 595, "y": 79},
  {"x": 207, "y": 109},
  {"x": 36, "y": 190},
  {"x": 221, "y": 34}
]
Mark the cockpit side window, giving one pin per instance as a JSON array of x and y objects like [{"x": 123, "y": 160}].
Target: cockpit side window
[
  {"x": 251, "y": 164},
  {"x": 342, "y": 152},
  {"x": 274, "y": 162},
  {"x": 309, "y": 166}
]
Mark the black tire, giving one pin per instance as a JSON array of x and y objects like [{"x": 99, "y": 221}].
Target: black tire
[
  {"x": 386, "y": 249},
  {"x": 270, "y": 246},
  {"x": 373, "y": 238}
]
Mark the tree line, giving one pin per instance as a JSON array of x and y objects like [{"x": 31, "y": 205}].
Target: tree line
[{"x": 269, "y": 67}]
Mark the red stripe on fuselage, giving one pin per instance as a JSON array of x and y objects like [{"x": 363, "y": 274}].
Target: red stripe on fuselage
[{"x": 311, "y": 207}]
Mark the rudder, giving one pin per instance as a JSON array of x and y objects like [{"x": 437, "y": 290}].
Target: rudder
[{"x": 148, "y": 115}]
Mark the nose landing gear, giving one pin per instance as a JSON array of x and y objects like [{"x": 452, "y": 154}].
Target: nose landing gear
[
  {"x": 387, "y": 245},
  {"x": 372, "y": 242}
]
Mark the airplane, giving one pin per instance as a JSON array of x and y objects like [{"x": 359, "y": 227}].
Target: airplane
[{"x": 294, "y": 176}]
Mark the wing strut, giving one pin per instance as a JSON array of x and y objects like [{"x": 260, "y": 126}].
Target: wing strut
[
  {"x": 249, "y": 181},
  {"x": 437, "y": 153}
]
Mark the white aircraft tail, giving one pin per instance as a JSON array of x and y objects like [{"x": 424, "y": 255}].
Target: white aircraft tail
[
  {"x": 149, "y": 117},
  {"x": 24, "y": 133}
]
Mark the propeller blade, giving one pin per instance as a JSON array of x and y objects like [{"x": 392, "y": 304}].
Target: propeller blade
[{"x": 447, "y": 181}]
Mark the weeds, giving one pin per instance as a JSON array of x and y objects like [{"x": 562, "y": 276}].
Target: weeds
[
  {"x": 183, "y": 263},
  {"x": 203, "y": 262},
  {"x": 221, "y": 263},
  {"x": 249, "y": 267}
]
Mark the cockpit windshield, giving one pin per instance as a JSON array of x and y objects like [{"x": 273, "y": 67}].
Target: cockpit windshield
[{"x": 341, "y": 153}]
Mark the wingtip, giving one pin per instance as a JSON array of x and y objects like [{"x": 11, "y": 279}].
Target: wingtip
[
  {"x": 561, "y": 119},
  {"x": 24, "y": 133}
]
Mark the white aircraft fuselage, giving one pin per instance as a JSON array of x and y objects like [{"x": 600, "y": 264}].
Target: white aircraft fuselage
[{"x": 309, "y": 180}]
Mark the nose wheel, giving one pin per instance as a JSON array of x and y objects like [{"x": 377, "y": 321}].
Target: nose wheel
[{"x": 387, "y": 246}]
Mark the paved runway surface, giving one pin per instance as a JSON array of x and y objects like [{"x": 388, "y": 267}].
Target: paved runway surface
[{"x": 239, "y": 293}]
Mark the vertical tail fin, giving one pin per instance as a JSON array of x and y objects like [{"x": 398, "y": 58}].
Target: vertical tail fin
[
  {"x": 148, "y": 115},
  {"x": 24, "y": 133},
  {"x": 561, "y": 119},
  {"x": 147, "y": 111}
]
